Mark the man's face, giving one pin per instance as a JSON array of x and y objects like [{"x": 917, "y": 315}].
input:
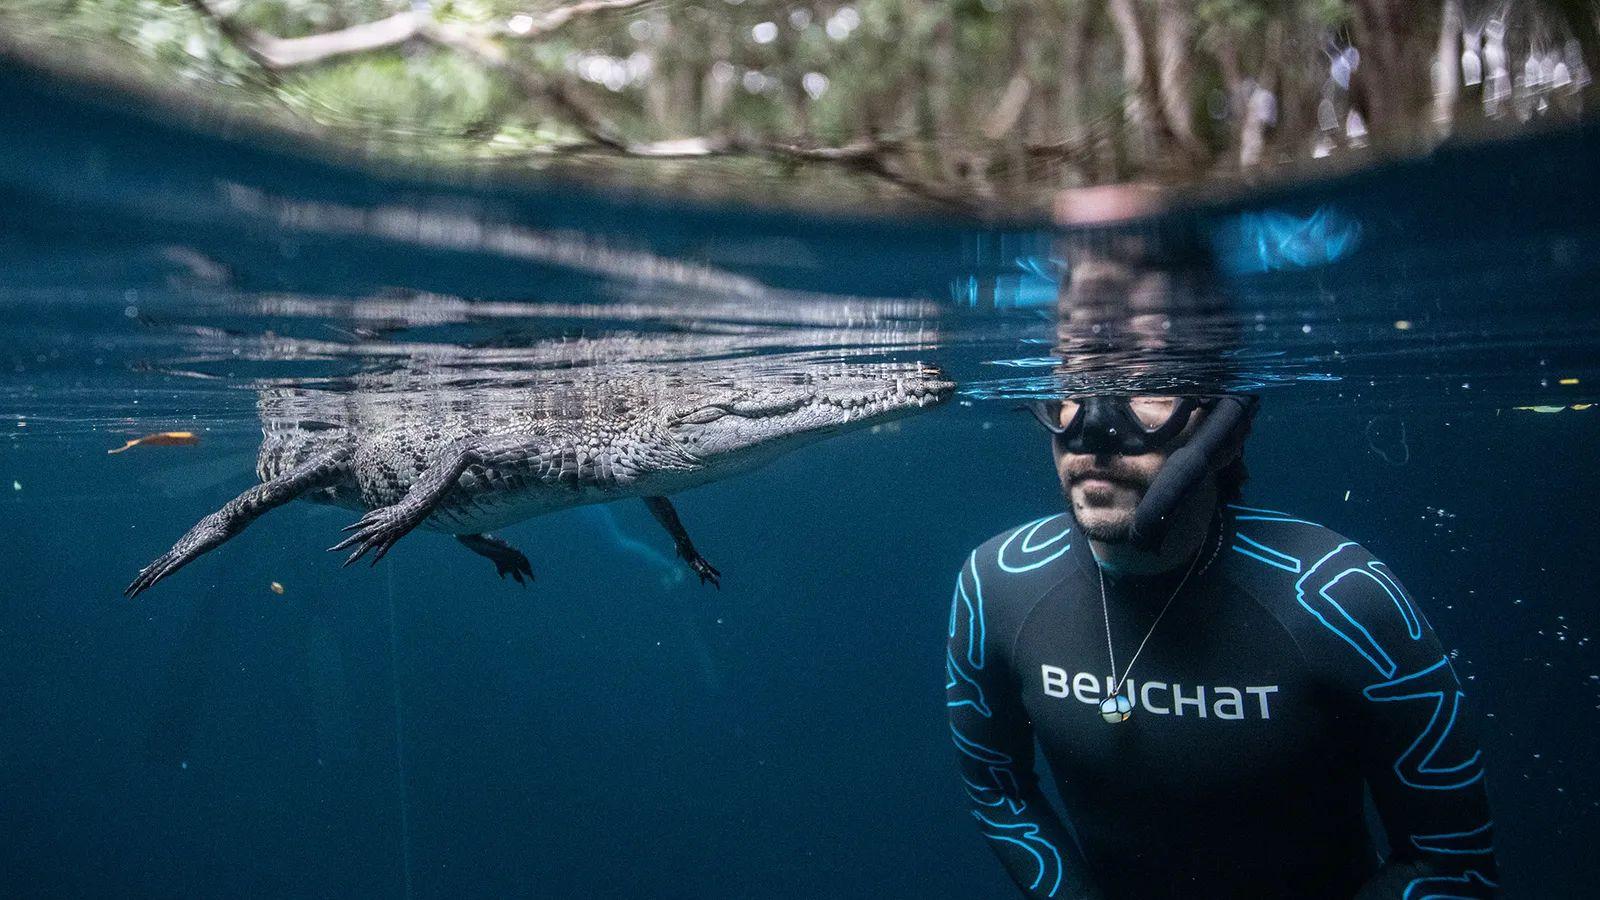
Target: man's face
[{"x": 1105, "y": 488}]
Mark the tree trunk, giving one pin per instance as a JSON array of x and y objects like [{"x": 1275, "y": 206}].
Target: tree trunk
[
  {"x": 1447, "y": 66},
  {"x": 1175, "y": 40},
  {"x": 1584, "y": 23},
  {"x": 714, "y": 93},
  {"x": 1074, "y": 73},
  {"x": 1393, "y": 77},
  {"x": 658, "y": 87},
  {"x": 1138, "y": 110}
]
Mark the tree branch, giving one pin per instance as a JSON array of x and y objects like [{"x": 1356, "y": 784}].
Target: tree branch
[
  {"x": 275, "y": 54},
  {"x": 278, "y": 54}
]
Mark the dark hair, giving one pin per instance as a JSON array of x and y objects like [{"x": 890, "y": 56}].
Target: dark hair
[{"x": 1231, "y": 479}]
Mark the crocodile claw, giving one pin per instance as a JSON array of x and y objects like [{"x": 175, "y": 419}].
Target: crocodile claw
[
  {"x": 706, "y": 571},
  {"x": 207, "y": 534},
  {"x": 517, "y": 566},
  {"x": 507, "y": 559},
  {"x": 376, "y": 532},
  {"x": 164, "y": 565}
]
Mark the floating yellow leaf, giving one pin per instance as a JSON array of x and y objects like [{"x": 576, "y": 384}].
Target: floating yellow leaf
[{"x": 162, "y": 439}]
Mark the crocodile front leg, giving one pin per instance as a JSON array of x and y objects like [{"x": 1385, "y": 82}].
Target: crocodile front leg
[
  {"x": 378, "y": 530},
  {"x": 322, "y": 470},
  {"x": 661, "y": 508}
]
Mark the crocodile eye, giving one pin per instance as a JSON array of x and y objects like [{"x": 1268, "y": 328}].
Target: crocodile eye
[{"x": 703, "y": 415}]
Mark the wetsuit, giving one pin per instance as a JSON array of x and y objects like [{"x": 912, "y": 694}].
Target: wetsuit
[{"x": 1292, "y": 670}]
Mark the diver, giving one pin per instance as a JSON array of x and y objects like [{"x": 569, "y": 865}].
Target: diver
[{"x": 1215, "y": 687}]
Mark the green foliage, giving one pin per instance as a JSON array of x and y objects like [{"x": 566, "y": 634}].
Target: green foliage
[
  {"x": 415, "y": 93},
  {"x": 966, "y": 90}
]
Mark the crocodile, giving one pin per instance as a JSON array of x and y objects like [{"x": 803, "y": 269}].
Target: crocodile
[{"x": 484, "y": 452}]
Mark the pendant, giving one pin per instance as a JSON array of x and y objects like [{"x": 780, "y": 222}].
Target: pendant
[{"x": 1116, "y": 708}]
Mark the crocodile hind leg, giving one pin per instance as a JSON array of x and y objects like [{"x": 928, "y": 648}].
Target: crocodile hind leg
[
  {"x": 661, "y": 508},
  {"x": 507, "y": 559},
  {"x": 322, "y": 470},
  {"x": 379, "y": 529}
]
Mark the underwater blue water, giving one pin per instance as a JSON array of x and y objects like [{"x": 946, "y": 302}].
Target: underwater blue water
[{"x": 425, "y": 729}]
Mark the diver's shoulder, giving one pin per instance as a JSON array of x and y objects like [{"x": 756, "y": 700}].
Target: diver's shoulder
[
  {"x": 1032, "y": 552},
  {"x": 1006, "y": 578},
  {"x": 1340, "y": 602},
  {"x": 1255, "y": 528}
]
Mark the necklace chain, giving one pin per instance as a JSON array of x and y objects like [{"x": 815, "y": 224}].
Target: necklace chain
[{"x": 1105, "y": 610}]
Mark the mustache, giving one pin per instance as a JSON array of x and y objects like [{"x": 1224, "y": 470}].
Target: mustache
[{"x": 1089, "y": 467}]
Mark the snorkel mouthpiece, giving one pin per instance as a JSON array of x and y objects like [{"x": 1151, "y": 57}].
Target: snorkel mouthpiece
[{"x": 1215, "y": 443}]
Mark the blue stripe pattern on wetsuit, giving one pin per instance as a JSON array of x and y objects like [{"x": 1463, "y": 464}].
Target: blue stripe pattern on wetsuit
[
  {"x": 1028, "y": 548},
  {"x": 1461, "y": 843},
  {"x": 1030, "y": 555},
  {"x": 1467, "y": 886},
  {"x": 1415, "y": 767},
  {"x": 1317, "y": 591}
]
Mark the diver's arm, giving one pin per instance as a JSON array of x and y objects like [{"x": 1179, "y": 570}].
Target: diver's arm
[
  {"x": 995, "y": 748},
  {"x": 1422, "y": 762},
  {"x": 1418, "y": 751}
]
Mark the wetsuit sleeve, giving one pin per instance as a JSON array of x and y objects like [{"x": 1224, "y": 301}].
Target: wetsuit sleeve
[
  {"x": 995, "y": 747},
  {"x": 1414, "y": 739}
]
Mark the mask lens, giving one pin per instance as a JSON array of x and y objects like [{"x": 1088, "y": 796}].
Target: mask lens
[
  {"x": 1153, "y": 412},
  {"x": 1065, "y": 411}
]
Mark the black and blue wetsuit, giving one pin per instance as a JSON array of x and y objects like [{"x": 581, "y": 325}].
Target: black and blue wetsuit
[{"x": 1293, "y": 670}]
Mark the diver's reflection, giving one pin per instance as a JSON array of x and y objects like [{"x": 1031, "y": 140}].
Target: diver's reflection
[{"x": 1214, "y": 685}]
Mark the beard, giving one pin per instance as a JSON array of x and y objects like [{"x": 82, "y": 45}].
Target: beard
[
  {"x": 1104, "y": 514},
  {"x": 1107, "y": 531}
]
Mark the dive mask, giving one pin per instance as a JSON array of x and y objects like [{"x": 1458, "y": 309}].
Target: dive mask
[
  {"x": 1131, "y": 425},
  {"x": 1123, "y": 425}
]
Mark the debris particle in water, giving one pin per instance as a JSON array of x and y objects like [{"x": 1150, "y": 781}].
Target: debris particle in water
[
  {"x": 16, "y": 485},
  {"x": 1402, "y": 325},
  {"x": 162, "y": 439},
  {"x": 1568, "y": 381},
  {"x": 277, "y": 588},
  {"x": 1347, "y": 496}
]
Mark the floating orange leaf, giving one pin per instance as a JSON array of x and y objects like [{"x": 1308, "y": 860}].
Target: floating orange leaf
[{"x": 162, "y": 439}]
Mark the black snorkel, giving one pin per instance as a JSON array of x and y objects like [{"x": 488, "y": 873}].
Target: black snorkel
[
  {"x": 1108, "y": 425},
  {"x": 1216, "y": 443}
]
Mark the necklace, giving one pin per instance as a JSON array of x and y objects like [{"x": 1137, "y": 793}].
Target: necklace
[{"x": 1117, "y": 707}]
